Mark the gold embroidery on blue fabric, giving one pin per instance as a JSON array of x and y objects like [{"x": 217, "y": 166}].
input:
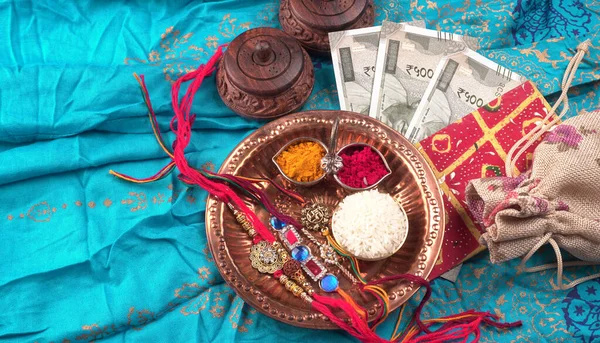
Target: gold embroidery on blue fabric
[
  {"x": 175, "y": 54},
  {"x": 269, "y": 15},
  {"x": 199, "y": 294},
  {"x": 325, "y": 97},
  {"x": 228, "y": 27},
  {"x": 40, "y": 212},
  {"x": 158, "y": 199},
  {"x": 203, "y": 273},
  {"x": 237, "y": 315},
  {"x": 137, "y": 201}
]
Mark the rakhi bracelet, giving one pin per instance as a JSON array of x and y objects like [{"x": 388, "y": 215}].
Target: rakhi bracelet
[
  {"x": 274, "y": 259},
  {"x": 316, "y": 217},
  {"x": 330, "y": 256},
  {"x": 328, "y": 282},
  {"x": 312, "y": 266},
  {"x": 292, "y": 239}
]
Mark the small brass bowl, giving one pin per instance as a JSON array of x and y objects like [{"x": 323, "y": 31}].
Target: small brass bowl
[
  {"x": 353, "y": 189},
  {"x": 362, "y": 258},
  {"x": 290, "y": 143}
]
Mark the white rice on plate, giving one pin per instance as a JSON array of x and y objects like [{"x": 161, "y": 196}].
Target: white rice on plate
[{"x": 370, "y": 225}]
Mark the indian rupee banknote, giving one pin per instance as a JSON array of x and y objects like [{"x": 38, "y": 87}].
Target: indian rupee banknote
[
  {"x": 462, "y": 83},
  {"x": 406, "y": 61},
  {"x": 354, "y": 53}
]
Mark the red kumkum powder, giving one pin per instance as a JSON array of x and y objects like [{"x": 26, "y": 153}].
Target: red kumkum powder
[{"x": 363, "y": 167}]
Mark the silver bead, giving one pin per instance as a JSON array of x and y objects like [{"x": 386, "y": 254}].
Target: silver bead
[{"x": 331, "y": 163}]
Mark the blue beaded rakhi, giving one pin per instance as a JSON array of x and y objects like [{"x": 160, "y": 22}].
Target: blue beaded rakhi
[
  {"x": 300, "y": 252},
  {"x": 329, "y": 283}
]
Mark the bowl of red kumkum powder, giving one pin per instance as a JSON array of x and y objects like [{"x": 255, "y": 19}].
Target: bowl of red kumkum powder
[
  {"x": 299, "y": 161},
  {"x": 364, "y": 167}
]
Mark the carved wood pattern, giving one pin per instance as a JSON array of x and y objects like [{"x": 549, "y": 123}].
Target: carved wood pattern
[
  {"x": 311, "y": 38},
  {"x": 266, "y": 107}
]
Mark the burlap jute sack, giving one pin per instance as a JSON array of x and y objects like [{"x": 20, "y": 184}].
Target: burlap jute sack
[{"x": 559, "y": 198}]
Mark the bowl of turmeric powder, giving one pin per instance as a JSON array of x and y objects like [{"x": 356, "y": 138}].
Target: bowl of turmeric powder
[{"x": 299, "y": 161}]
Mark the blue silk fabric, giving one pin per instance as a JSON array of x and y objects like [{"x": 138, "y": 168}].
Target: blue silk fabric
[{"x": 85, "y": 256}]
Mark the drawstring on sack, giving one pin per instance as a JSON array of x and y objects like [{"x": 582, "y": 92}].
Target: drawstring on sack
[
  {"x": 538, "y": 131},
  {"x": 528, "y": 140}
]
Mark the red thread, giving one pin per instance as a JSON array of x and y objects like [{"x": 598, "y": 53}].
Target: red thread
[
  {"x": 262, "y": 196},
  {"x": 457, "y": 326},
  {"x": 359, "y": 324},
  {"x": 412, "y": 278},
  {"x": 181, "y": 125},
  {"x": 379, "y": 300},
  {"x": 339, "y": 322}
]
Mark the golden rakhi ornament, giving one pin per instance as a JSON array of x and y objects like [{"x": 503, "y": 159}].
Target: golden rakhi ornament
[
  {"x": 265, "y": 258},
  {"x": 316, "y": 217}
]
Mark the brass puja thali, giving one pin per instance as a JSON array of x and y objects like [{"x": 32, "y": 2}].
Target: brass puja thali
[{"x": 411, "y": 184}]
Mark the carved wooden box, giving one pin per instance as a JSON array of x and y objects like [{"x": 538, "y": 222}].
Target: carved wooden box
[
  {"x": 309, "y": 21},
  {"x": 264, "y": 74}
]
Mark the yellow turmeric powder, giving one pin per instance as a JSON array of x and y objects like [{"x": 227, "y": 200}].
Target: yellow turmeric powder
[{"x": 302, "y": 161}]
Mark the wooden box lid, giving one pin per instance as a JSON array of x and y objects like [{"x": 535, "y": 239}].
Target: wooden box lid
[
  {"x": 264, "y": 73},
  {"x": 310, "y": 21}
]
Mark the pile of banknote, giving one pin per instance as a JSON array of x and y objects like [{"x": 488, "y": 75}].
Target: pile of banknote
[{"x": 414, "y": 79}]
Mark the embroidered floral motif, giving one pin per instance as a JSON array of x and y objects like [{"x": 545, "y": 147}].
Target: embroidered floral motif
[
  {"x": 158, "y": 199},
  {"x": 477, "y": 207},
  {"x": 208, "y": 255},
  {"x": 562, "y": 206},
  {"x": 137, "y": 202},
  {"x": 203, "y": 273},
  {"x": 208, "y": 166},
  {"x": 325, "y": 98},
  {"x": 40, "y": 212},
  {"x": 96, "y": 332},
  {"x": 198, "y": 295},
  {"x": 511, "y": 183},
  {"x": 138, "y": 319},
  {"x": 175, "y": 54},
  {"x": 269, "y": 15},
  {"x": 540, "y": 206},
  {"x": 516, "y": 196},
  {"x": 566, "y": 136},
  {"x": 537, "y": 20},
  {"x": 582, "y": 308}
]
